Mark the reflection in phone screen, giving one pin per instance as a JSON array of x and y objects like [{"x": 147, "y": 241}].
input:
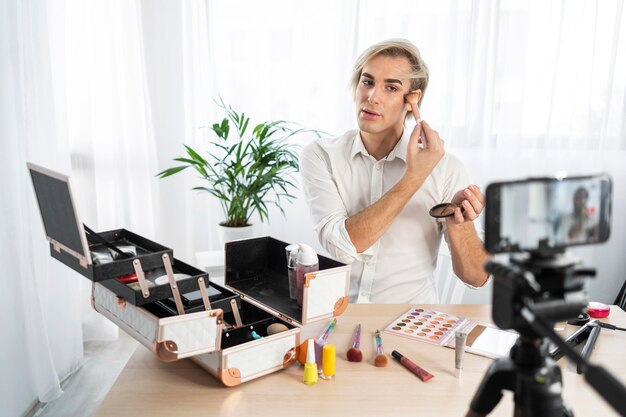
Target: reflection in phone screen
[{"x": 558, "y": 213}]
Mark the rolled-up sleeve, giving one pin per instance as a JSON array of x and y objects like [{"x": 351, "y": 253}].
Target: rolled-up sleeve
[
  {"x": 457, "y": 179},
  {"x": 327, "y": 209}
]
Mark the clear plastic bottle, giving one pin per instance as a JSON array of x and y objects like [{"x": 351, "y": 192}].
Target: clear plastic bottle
[
  {"x": 306, "y": 262},
  {"x": 291, "y": 273}
]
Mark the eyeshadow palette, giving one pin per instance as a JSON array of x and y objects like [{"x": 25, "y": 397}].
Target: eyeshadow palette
[
  {"x": 438, "y": 328},
  {"x": 426, "y": 325}
]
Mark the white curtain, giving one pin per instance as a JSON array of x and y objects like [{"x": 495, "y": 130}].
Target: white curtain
[
  {"x": 109, "y": 124},
  {"x": 39, "y": 301},
  {"x": 74, "y": 98},
  {"x": 108, "y": 92}
]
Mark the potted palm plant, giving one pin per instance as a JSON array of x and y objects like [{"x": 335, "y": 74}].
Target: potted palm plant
[{"x": 245, "y": 173}]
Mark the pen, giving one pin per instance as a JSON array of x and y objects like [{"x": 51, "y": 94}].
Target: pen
[{"x": 421, "y": 373}]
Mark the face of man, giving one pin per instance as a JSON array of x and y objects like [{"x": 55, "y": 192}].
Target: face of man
[
  {"x": 580, "y": 201},
  {"x": 380, "y": 96}
]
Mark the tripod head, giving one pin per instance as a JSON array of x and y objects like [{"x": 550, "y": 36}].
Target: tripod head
[{"x": 552, "y": 283}]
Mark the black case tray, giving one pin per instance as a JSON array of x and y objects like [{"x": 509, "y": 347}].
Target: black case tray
[
  {"x": 120, "y": 267},
  {"x": 161, "y": 310},
  {"x": 159, "y": 292}
]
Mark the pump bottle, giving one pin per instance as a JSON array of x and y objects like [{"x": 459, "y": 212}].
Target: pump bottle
[{"x": 306, "y": 262}]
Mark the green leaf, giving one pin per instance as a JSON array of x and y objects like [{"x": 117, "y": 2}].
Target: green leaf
[
  {"x": 171, "y": 171},
  {"x": 195, "y": 155}
]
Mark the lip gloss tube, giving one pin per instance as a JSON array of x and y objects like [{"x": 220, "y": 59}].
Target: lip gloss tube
[
  {"x": 421, "y": 373},
  {"x": 459, "y": 349}
]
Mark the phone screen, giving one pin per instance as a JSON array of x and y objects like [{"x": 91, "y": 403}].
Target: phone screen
[{"x": 548, "y": 213}]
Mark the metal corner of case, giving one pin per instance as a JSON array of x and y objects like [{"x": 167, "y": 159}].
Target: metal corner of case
[
  {"x": 166, "y": 350},
  {"x": 218, "y": 313},
  {"x": 93, "y": 296},
  {"x": 308, "y": 277},
  {"x": 121, "y": 302},
  {"x": 289, "y": 358},
  {"x": 341, "y": 305},
  {"x": 230, "y": 377}
]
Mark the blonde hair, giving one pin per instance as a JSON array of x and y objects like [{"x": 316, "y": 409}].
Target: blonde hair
[{"x": 395, "y": 48}]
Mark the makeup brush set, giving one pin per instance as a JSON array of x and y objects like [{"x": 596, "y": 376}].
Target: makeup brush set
[
  {"x": 354, "y": 354},
  {"x": 244, "y": 329}
]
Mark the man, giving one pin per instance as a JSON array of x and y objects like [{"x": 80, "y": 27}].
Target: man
[
  {"x": 369, "y": 191},
  {"x": 581, "y": 225}
]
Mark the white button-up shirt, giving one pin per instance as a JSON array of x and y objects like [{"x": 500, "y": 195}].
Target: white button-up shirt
[{"x": 340, "y": 179}]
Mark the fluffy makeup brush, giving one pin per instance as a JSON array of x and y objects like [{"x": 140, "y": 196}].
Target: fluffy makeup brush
[
  {"x": 381, "y": 359},
  {"x": 354, "y": 354},
  {"x": 413, "y": 99}
]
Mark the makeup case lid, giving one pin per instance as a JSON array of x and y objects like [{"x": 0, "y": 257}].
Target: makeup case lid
[
  {"x": 256, "y": 268},
  {"x": 60, "y": 217}
]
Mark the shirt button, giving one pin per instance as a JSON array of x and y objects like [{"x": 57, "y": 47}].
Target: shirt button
[{"x": 378, "y": 167}]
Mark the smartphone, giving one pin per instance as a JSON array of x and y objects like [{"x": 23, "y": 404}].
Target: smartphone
[{"x": 539, "y": 214}]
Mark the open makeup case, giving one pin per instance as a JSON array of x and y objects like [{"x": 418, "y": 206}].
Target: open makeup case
[{"x": 173, "y": 309}]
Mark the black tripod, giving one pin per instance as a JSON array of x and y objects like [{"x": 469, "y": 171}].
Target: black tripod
[{"x": 529, "y": 297}]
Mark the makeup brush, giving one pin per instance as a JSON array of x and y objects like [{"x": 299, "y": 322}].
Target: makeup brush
[
  {"x": 381, "y": 359},
  {"x": 413, "y": 99},
  {"x": 321, "y": 341},
  {"x": 328, "y": 331},
  {"x": 354, "y": 354}
]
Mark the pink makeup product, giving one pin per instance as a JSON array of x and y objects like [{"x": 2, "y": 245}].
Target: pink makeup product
[
  {"x": 127, "y": 279},
  {"x": 421, "y": 373},
  {"x": 598, "y": 310}
]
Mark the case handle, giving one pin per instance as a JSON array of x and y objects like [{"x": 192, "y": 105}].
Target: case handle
[
  {"x": 170, "y": 277},
  {"x": 233, "y": 304},
  {"x": 141, "y": 278},
  {"x": 203, "y": 293}
]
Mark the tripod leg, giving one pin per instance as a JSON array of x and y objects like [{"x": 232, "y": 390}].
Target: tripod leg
[
  {"x": 538, "y": 394},
  {"x": 500, "y": 376}
]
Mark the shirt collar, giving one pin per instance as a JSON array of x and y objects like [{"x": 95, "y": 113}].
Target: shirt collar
[{"x": 399, "y": 151}]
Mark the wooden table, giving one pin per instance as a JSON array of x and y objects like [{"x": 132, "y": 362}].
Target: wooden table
[{"x": 152, "y": 388}]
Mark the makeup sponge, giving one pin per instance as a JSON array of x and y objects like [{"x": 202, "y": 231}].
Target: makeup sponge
[{"x": 276, "y": 328}]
